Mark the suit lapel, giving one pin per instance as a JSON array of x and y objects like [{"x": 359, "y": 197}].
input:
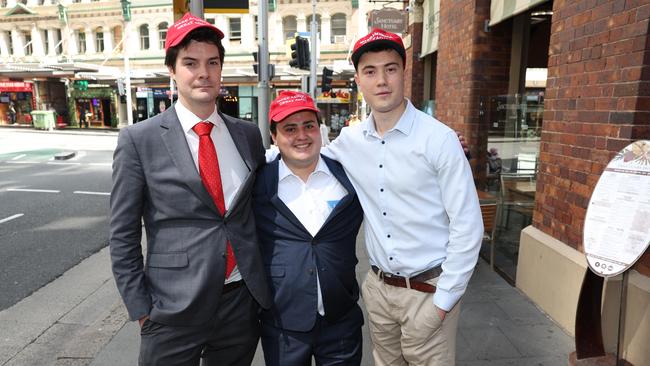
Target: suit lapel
[
  {"x": 340, "y": 175},
  {"x": 175, "y": 141},
  {"x": 272, "y": 188},
  {"x": 239, "y": 137}
]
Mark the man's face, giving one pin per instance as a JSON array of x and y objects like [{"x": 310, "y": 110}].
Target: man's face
[
  {"x": 197, "y": 74},
  {"x": 380, "y": 77},
  {"x": 298, "y": 138}
]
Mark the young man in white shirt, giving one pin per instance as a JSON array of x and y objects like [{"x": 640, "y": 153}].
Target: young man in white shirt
[
  {"x": 423, "y": 226},
  {"x": 308, "y": 216}
]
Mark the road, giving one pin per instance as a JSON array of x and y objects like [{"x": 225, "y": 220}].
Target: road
[{"x": 53, "y": 213}]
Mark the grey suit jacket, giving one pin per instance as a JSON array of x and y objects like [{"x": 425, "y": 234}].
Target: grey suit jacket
[{"x": 155, "y": 181}]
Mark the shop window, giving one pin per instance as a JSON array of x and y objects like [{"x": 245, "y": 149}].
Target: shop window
[
  {"x": 234, "y": 28},
  {"x": 162, "y": 35},
  {"x": 317, "y": 24},
  {"x": 339, "y": 23},
  {"x": 99, "y": 39},
  {"x": 81, "y": 41},
  {"x": 29, "y": 49},
  {"x": 289, "y": 27},
  {"x": 144, "y": 37}
]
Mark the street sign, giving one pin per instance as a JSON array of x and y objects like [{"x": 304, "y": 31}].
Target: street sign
[{"x": 616, "y": 230}]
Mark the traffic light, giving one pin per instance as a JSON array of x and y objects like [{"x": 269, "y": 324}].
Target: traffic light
[
  {"x": 255, "y": 65},
  {"x": 300, "y": 53},
  {"x": 326, "y": 82}
]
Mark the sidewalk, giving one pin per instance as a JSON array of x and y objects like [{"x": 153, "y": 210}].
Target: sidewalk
[{"x": 78, "y": 319}]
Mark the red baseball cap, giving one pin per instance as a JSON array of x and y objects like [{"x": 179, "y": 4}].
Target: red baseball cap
[
  {"x": 177, "y": 32},
  {"x": 289, "y": 102},
  {"x": 378, "y": 37}
]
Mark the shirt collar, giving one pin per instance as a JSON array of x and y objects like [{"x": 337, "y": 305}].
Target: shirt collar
[
  {"x": 189, "y": 119},
  {"x": 404, "y": 124},
  {"x": 284, "y": 171}
]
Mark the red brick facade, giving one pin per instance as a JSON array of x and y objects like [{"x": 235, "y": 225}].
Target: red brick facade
[
  {"x": 472, "y": 65},
  {"x": 597, "y": 102},
  {"x": 413, "y": 80}
]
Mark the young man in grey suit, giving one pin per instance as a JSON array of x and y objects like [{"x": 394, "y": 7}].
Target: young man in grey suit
[{"x": 188, "y": 174}]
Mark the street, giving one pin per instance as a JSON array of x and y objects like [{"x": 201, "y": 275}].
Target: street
[{"x": 53, "y": 213}]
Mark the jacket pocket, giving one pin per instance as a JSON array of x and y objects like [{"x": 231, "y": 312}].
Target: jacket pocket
[{"x": 168, "y": 260}]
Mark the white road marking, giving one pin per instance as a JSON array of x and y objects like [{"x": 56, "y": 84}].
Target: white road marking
[
  {"x": 101, "y": 164},
  {"x": 22, "y": 162},
  {"x": 55, "y": 163},
  {"x": 33, "y": 190},
  {"x": 2, "y": 221},
  {"x": 17, "y": 157},
  {"x": 93, "y": 193}
]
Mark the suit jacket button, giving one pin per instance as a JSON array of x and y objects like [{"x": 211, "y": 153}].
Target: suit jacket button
[
  {"x": 223, "y": 254},
  {"x": 311, "y": 271}
]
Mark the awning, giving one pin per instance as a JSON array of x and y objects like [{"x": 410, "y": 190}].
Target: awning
[
  {"x": 501, "y": 10},
  {"x": 430, "y": 26}
]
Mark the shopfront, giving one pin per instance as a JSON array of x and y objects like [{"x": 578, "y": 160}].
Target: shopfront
[
  {"x": 336, "y": 108},
  {"x": 151, "y": 101},
  {"x": 94, "y": 108},
  {"x": 16, "y": 102}
]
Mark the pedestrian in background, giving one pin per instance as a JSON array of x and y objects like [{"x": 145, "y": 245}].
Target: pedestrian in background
[{"x": 187, "y": 173}]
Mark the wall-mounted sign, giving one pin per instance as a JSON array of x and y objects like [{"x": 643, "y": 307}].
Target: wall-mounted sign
[
  {"x": 617, "y": 224},
  {"x": 389, "y": 19},
  {"x": 223, "y": 6}
]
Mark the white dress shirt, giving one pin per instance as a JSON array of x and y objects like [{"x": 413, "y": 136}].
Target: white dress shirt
[
  {"x": 418, "y": 197},
  {"x": 231, "y": 165},
  {"x": 311, "y": 202}
]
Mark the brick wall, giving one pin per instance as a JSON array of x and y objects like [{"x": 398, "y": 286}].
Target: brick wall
[
  {"x": 597, "y": 102},
  {"x": 472, "y": 64},
  {"x": 413, "y": 80}
]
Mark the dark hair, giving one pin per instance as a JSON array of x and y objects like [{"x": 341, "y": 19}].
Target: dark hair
[
  {"x": 203, "y": 34},
  {"x": 273, "y": 128},
  {"x": 378, "y": 47}
]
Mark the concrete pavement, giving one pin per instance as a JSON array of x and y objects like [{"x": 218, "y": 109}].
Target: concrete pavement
[{"x": 78, "y": 319}]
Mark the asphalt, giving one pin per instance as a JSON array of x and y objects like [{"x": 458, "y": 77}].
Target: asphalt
[{"x": 79, "y": 319}]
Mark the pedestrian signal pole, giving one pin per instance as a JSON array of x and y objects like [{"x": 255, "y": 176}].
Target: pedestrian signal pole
[{"x": 126, "y": 14}]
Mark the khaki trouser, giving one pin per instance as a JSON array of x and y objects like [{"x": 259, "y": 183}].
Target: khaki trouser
[{"x": 405, "y": 326}]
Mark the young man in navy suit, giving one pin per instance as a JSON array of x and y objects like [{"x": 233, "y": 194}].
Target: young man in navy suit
[{"x": 308, "y": 217}]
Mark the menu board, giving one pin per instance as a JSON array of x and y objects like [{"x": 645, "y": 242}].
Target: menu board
[{"x": 617, "y": 225}]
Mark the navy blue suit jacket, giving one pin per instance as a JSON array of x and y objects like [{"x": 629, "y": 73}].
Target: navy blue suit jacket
[{"x": 292, "y": 256}]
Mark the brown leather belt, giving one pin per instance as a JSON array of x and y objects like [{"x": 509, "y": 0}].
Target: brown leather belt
[
  {"x": 231, "y": 286},
  {"x": 416, "y": 282}
]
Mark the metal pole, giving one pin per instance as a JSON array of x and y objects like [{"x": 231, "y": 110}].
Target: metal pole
[
  {"x": 196, "y": 8},
  {"x": 263, "y": 70},
  {"x": 314, "y": 52},
  {"x": 127, "y": 73}
]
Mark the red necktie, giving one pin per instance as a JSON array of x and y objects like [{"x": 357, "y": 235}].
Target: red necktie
[{"x": 211, "y": 177}]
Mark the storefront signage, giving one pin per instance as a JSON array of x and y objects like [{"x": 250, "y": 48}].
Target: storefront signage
[
  {"x": 617, "y": 229},
  {"x": 391, "y": 20},
  {"x": 223, "y": 6},
  {"x": 334, "y": 96},
  {"x": 15, "y": 86}
]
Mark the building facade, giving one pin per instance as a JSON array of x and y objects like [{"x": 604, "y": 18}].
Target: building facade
[{"x": 557, "y": 88}]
